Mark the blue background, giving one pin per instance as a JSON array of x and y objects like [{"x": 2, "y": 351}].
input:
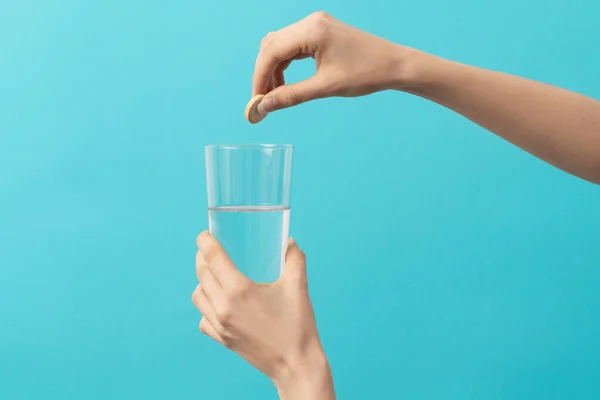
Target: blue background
[{"x": 444, "y": 263}]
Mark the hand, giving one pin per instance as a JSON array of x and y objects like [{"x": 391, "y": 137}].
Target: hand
[
  {"x": 271, "y": 326},
  {"x": 349, "y": 62}
]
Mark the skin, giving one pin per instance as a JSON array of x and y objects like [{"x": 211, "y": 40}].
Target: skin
[
  {"x": 556, "y": 125},
  {"x": 273, "y": 326}
]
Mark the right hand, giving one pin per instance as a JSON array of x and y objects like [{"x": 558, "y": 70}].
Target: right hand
[{"x": 349, "y": 63}]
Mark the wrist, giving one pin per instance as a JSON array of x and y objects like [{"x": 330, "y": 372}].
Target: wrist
[
  {"x": 414, "y": 70},
  {"x": 307, "y": 376}
]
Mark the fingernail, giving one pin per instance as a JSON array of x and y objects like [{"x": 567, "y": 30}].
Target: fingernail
[
  {"x": 291, "y": 241},
  {"x": 267, "y": 106}
]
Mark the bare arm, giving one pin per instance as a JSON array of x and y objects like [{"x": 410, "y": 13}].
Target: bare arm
[{"x": 556, "y": 125}]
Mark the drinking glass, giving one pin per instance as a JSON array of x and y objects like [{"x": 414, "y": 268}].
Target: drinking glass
[{"x": 248, "y": 190}]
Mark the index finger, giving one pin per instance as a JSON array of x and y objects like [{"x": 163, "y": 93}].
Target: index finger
[
  {"x": 283, "y": 46},
  {"x": 218, "y": 261}
]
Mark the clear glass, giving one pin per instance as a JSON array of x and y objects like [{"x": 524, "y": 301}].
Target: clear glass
[{"x": 249, "y": 205}]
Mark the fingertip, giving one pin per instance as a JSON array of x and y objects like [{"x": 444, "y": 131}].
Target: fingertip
[
  {"x": 259, "y": 89},
  {"x": 293, "y": 250},
  {"x": 201, "y": 237}
]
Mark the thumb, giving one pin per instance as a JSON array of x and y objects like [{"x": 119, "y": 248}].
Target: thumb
[
  {"x": 295, "y": 263},
  {"x": 291, "y": 95}
]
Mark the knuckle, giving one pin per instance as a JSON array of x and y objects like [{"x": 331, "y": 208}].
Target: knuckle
[
  {"x": 296, "y": 98},
  {"x": 293, "y": 98},
  {"x": 239, "y": 289},
  {"x": 318, "y": 32},
  {"x": 225, "y": 334},
  {"x": 201, "y": 271},
  {"x": 221, "y": 331},
  {"x": 200, "y": 261},
  {"x": 319, "y": 16},
  {"x": 266, "y": 39},
  {"x": 226, "y": 339},
  {"x": 223, "y": 316},
  {"x": 319, "y": 25},
  {"x": 209, "y": 252}
]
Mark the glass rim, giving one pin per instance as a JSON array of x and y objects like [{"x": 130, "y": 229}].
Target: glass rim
[{"x": 248, "y": 146}]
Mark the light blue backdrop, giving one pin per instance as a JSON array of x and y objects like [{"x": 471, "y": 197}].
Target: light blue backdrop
[{"x": 444, "y": 263}]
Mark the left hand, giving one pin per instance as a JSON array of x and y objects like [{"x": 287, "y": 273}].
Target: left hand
[{"x": 271, "y": 326}]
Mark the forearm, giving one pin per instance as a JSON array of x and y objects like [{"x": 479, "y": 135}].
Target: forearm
[
  {"x": 556, "y": 125},
  {"x": 308, "y": 377}
]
